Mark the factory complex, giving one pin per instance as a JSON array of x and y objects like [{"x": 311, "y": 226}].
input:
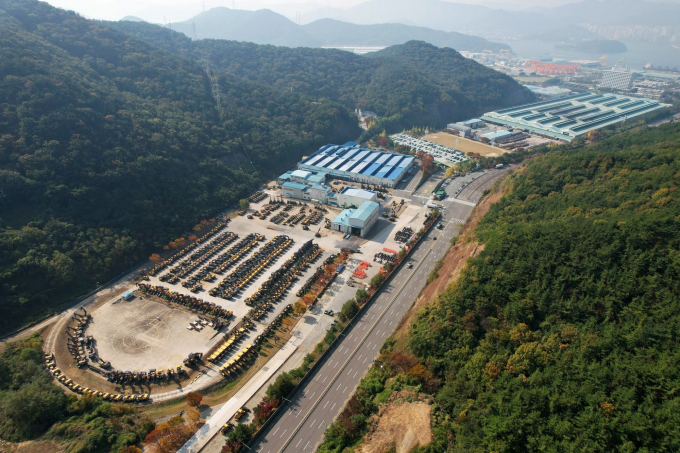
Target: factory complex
[
  {"x": 573, "y": 116},
  {"x": 352, "y": 163}
]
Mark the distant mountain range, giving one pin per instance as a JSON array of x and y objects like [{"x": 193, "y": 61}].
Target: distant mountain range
[
  {"x": 267, "y": 27},
  {"x": 498, "y": 23}
]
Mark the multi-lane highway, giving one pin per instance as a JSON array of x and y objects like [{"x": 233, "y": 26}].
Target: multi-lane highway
[{"x": 316, "y": 404}]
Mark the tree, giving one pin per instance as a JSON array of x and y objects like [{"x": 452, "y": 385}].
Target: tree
[
  {"x": 361, "y": 296},
  {"x": 308, "y": 299},
  {"x": 194, "y": 399},
  {"x": 428, "y": 164},
  {"x": 244, "y": 203},
  {"x": 131, "y": 449},
  {"x": 349, "y": 310},
  {"x": 281, "y": 387},
  {"x": 377, "y": 280},
  {"x": 449, "y": 172},
  {"x": 299, "y": 308},
  {"x": 156, "y": 258}
]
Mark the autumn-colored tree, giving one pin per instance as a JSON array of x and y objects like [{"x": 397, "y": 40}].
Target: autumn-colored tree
[
  {"x": 384, "y": 142},
  {"x": 194, "y": 399},
  {"x": 192, "y": 238},
  {"x": 156, "y": 258},
  {"x": 428, "y": 164},
  {"x": 308, "y": 299},
  {"x": 299, "y": 308},
  {"x": 131, "y": 449},
  {"x": 264, "y": 410},
  {"x": 329, "y": 270}
]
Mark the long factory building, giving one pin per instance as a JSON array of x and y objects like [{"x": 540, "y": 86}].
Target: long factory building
[
  {"x": 353, "y": 163},
  {"x": 573, "y": 116}
]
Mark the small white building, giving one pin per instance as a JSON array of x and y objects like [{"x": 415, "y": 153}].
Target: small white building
[
  {"x": 617, "y": 79},
  {"x": 312, "y": 192},
  {"x": 352, "y": 197},
  {"x": 359, "y": 221}
]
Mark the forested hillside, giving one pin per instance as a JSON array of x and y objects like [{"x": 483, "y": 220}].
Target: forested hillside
[
  {"x": 410, "y": 84},
  {"x": 564, "y": 333},
  {"x": 109, "y": 148}
]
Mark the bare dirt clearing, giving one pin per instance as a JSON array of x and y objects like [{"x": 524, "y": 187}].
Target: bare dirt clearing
[
  {"x": 402, "y": 423},
  {"x": 465, "y": 145}
]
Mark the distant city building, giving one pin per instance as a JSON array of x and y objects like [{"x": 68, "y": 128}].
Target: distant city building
[
  {"x": 357, "y": 221},
  {"x": 573, "y": 116},
  {"x": 617, "y": 79}
]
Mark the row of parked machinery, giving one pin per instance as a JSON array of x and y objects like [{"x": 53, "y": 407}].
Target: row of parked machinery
[
  {"x": 199, "y": 257},
  {"x": 272, "y": 289},
  {"x": 77, "y": 388},
  {"x": 229, "y": 258},
  {"x": 76, "y": 342},
  {"x": 249, "y": 269},
  {"x": 143, "y": 377},
  {"x": 384, "y": 257},
  {"x": 191, "y": 302},
  {"x": 257, "y": 196},
  {"x": 404, "y": 235},
  {"x": 158, "y": 267},
  {"x": 231, "y": 340}
]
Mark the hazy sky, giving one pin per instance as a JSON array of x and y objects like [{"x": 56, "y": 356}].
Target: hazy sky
[
  {"x": 160, "y": 11},
  {"x": 180, "y": 10}
]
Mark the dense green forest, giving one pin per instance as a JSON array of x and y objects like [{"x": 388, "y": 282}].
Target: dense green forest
[
  {"x": 411, "y": 84},
  {"x": 109, "y": 148},
  {"x": 564, "y": 333},
  {"x": 30, "y": 405}
]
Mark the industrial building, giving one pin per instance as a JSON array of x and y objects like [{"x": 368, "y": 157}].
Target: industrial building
[
  {"x": 359, "y": 221},
  {"x": 617, "y": 79},
  {"x": 351, "y": 196},
  {"x": 316, "y": 193},
  {"x": 302, "y": 177},
  {"x": 573, "y": 116},
  {"x": 353, "y": 163}
]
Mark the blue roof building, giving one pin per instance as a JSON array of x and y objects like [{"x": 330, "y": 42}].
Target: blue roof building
[{"x": 360, "y": 165}]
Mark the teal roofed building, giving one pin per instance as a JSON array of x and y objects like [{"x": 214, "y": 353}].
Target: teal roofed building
[{"x": 357, "y": 222}]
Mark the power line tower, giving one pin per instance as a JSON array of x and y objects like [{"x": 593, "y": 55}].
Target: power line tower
[
  {"x": 214, "y": 85},
  {"x": 193, "y": 28}
]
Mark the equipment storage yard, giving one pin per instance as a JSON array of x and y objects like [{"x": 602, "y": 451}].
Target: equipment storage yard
[{"x": 148, "y": 332}]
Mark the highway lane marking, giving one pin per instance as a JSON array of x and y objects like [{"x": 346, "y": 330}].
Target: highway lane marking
[
  {"x": 324, "y": 406},
  {"x": 306, "y": 445},
  {"x": 321, "y": 423},
  {"x": 298, "y": 444},
  {"x": 355, "y": 374},
  {"x": 282, "y": 434},
  {"x": 333, "y": 406},
  {"x": 277, "y": 430}
]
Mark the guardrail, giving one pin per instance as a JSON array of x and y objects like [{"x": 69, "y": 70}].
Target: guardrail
[{"x": 282, "y": 407}]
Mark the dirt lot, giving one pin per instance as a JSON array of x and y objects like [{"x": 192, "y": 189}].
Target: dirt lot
[
  {"x": 465, "y": 145},
  {"x": 143, "y": 334},
  {"x": 402, "y": 423}
]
